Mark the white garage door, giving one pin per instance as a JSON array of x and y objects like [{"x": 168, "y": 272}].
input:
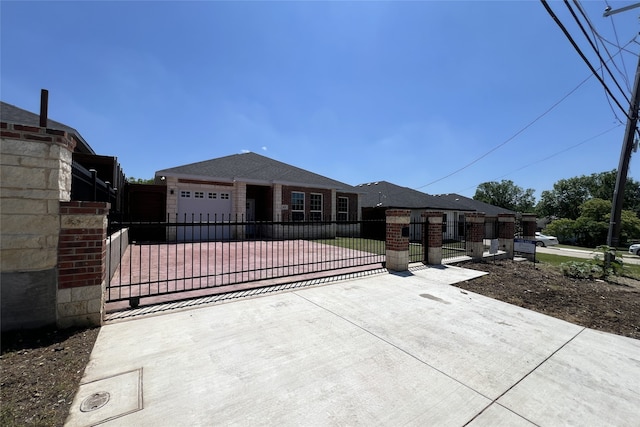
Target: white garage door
[{"x": 201, "y": 206}]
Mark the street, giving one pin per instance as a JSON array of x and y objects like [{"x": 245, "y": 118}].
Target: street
[{"x": 586, "y": 254}]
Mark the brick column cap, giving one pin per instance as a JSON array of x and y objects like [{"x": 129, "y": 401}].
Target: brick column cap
[
  {"x": 431, "y": 214},
  {"x": 474, "y": 217}
]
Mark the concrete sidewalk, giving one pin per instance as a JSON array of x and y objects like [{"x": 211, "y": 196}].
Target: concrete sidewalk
[{"x": 388, "y": 349}]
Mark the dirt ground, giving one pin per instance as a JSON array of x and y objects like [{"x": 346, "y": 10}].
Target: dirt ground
[
  {"x": 612, "y": 306},
  {"x": 40, "y": 370}
]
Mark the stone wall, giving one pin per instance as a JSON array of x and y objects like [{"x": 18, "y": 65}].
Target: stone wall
[{"x": 35, "y": 175}]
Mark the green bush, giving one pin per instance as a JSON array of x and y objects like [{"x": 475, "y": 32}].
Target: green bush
[
  {"x": 579, "y": 269},
  {"x": 601, "y": 266}
]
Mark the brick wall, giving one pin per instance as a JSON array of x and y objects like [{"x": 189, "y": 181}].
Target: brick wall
[
  {"x": 432, "y": 237},
  {"x": 506, "y": 233},
  {"x": 286, "y": 200},
  {"x": 82, "y": 263},
  {"x": 475, "y": 234},
  {"x": 397, "y": 245}
]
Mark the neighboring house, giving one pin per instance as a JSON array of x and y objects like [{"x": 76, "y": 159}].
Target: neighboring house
[
  {"x": 381, "y": 195},
  {"x": 251, "y": 187}
]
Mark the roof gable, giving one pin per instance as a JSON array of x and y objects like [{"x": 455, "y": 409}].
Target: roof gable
[{"x": 252, "y": 167}]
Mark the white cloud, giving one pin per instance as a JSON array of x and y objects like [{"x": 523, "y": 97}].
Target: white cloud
[
  {"x": 243, "y": 151},
  {"x": 264, "y": 148}
]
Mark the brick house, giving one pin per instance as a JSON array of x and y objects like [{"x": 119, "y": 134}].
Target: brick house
[{"x": 252, "y": 187}]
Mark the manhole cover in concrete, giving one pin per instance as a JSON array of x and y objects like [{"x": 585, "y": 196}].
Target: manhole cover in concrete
[{"x": 95, "y": 401}]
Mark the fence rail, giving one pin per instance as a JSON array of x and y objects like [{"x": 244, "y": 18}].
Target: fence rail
[{"x": 86, "y": 186}]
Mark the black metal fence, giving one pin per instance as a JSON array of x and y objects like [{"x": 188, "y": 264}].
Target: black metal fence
[
  {"x": 217, "y": 254},
  {"x": 86, "y": 186}
]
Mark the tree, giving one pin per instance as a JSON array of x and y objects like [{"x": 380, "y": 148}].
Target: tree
[
  {"x": 506, "y": 194},
  {"x": 564, "y": 200},
  {"x": 133, "y": 180},
  {"x": 591, "y": 227},
  {"x": 568, "y": 194}
]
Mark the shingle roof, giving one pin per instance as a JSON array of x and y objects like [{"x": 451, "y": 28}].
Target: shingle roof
[
  {"x": 474, "y": 205},
  {"x": 254, "y": 168},
  {"x": 12, "y": 114},
  {"x": 395, "y": 196}
]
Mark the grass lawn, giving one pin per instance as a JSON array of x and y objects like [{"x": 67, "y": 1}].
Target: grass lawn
[
  {"x": 357, "y": 243},
  {"x": 367, "y": 245},
  {"x": 628, "y": 270}
]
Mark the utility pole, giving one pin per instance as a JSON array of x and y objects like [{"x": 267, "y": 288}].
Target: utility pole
[{"x": 613, "y": 237}]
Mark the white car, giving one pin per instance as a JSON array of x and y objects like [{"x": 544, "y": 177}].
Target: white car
[
  {"x": 635, "y": 249},
  {"x": 544, "y": 240}
]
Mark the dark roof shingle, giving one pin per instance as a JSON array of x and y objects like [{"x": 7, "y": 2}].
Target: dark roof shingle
[
  {"x": 12, "y": 114},
  {"x": 252, "y": 167}
]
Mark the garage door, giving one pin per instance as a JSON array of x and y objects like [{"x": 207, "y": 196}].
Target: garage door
[{"x": 201, "y": 206}]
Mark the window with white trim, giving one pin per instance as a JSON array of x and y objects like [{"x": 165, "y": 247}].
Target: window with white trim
[
  {"x": 198, "y": 195},
  {"x": 185, "y": 194},
  {"x": 213, "y": 195},
  {"x": 315, "y": 207},
  {"x": 224, "y": 196},
  {"x": 297, "y": 206},
  {"x": 343, "y": 209}
]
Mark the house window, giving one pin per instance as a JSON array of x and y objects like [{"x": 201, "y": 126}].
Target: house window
[
  {"x": 213, "y": 195},
  {"x": 224, "y": 196},
  {"x": 185, "y": 194},
  {"x": 444, "y": 223},
  {"x": 297, "y": 206},
  {"x": 343, "y": 208},
  {"x": 315, "y": 205},
  {"x": 198, "y": 195}
]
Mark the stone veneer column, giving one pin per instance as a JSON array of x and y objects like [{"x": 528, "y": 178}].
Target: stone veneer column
[
  {"x": 432, "y": 237},
  {"x": 35, "y": 174},
  {"x": 397, "y": 244},
  {"x": 239, "y": 209},
  {"x": 475, "y": 235},
  {"x": 82, "y": 263},
  {"x": 506, "y": 233}
]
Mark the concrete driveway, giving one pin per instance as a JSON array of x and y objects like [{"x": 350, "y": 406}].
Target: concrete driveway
[{"x": 387, "y": 349}]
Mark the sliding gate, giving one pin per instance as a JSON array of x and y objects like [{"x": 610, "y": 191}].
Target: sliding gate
[{"x": 178, "y": 260}]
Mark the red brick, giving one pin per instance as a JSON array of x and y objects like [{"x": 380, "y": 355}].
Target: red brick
[
  {"x": 8, "y": 134},
  {"x": 38, "y": 138},
  {"x": 27, "y": 128}
]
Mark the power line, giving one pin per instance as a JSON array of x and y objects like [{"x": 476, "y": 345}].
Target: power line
[
  {"x": 512, "y": 137},
  {"x": 621, "y": 49},
  {"x": 557, "y": 153},
  {"x": 579, "y": 51},
  {"x": 624, "y": 66},
  {"x": 597, "y": 51}
]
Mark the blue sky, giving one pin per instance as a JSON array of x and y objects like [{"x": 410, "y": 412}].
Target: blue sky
[{"x": 407, "y": 92}]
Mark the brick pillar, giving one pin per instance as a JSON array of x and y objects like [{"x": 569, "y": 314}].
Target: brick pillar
[
  {"x": 529, "y": 226},
  {"x": 506, "y": 233},
  {"x": 475, "y": 234},
  {"x": 397, "y": 239},
  {"x": 81, "y": 263},
  {"x": 529, "y": 230},
  {"x": 432, "y": 237}
]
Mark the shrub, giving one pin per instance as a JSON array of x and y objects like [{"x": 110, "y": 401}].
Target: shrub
[{"x": 578, "y": 269}]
